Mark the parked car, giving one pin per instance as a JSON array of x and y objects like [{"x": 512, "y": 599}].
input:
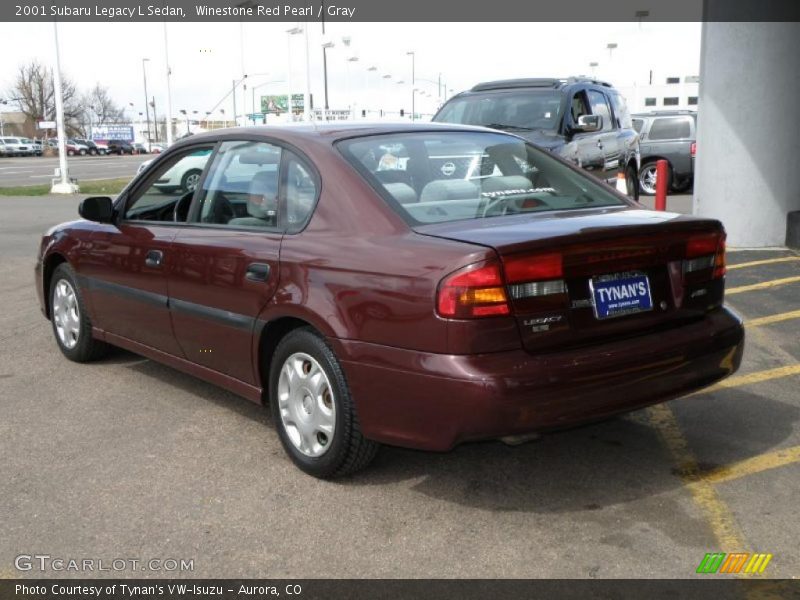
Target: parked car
[
  {"x": 582, "y": 120},
  {"x": 34, "y": 145},
  {"x": 119, "y": 147},
  {"x": 93, "y": 147},
  {"x": 139, "y": 148},
  {"x": 4, "y": 149},
  {"x": 76, "y": 147},
  {"x": 184, "y": 176},
  {"x": 15, "y": 146},
  {"x": 157, "y": 148},
  {"x": 669, "y": 135},
  {"x": 372, "y": 301}
]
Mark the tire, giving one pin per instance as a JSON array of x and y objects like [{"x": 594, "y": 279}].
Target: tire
[
  {"x": 83, "y": 152},
  {"x": 647, "y": 178},
  {"x": 70, "y": 320},
  {"x": 93, "y": 152},
  {"x": 632, "y": 183},
  {"x": 323, "y": 438},
  {"x": 70, "y": 153},
  {"x": 190, "y": 180}
]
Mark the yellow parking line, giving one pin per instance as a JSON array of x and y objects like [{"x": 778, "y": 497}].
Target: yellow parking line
[
  {"x": 761, "y": 286},
  {"x": 755, "y": 377},
  {"x": 769, "y": 261},
  {"x": 792, "y": 314},
  {"x": 750, "y": 466},
  {"x": 716, "y": 512}
]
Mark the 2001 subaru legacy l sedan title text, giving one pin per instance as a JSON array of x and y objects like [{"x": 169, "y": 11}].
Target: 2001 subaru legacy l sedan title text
[{"x": 344, "y": 276}]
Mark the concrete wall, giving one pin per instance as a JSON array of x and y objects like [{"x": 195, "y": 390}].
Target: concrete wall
[{"x": 748, "y": 139}]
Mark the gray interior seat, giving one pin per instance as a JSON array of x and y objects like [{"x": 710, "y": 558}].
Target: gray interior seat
[
  {"x": 262, "y": 201},
  {"x": 402, "y": 192},
  {"x": 448, "y": 189}
]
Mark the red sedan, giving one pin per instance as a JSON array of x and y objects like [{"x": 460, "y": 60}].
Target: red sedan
[{"x": 416, "y": 285}]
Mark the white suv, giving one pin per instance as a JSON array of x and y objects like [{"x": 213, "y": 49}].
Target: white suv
[{"x": 16, "y": 147}]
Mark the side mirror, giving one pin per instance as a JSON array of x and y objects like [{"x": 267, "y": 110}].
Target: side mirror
[
  {"x": 589, "y": 123},
  {"x": 97, "y": 208}
]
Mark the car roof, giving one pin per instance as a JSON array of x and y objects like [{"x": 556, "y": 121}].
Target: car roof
[
  {"x": 665, "y": 113},
  {"x": 540, "y": 82},
  {"x": 329, "y": 133}
]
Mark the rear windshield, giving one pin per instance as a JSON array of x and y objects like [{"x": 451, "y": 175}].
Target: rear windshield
[
  {"x": 522, "y": 110},
  {"x": 435, "y": 177}
]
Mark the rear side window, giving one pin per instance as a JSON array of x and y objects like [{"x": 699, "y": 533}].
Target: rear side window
[
  {"x": 638, "y": 124},
  {"x": 671, "y": 128},
  {"x": 433, "y": 177}
]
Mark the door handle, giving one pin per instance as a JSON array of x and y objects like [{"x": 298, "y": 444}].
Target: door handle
[
  {"x": 153, "y": 258},
  {"x": 257, "y": 272}
]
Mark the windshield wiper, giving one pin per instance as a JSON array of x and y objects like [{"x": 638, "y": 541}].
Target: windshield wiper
[{"x": 510, "y": 127}]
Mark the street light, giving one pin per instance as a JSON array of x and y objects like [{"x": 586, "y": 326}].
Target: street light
[
  {"x": 325, "y": 47},
  {"x": 290, "y": 32},
  {"x": 611, "y": 47},
  {"x": 146, "y": 109},
  {"x": 413, "y": 56},
  {"x": 593, "y": 65},
  {"x": 350, "y": 103}
]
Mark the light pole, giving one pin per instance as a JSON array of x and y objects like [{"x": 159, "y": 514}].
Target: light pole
[
  {"x": 64, "y": 186},
  {"x": 2, "y": 125},
  {"x": 611, "y": 46},
  {"x": 325, "y": 47},
  {"x": 169, "y": 88},
  {"x": 185, "y": 113},
  {"x": 371, "y": 69},
  {"x": 413, "y": 56},
  {"x": 290, "y": 32},
  {"x": 146, "y": 109},
  {"x": 387, "y": 92},
  {"x": 350, "y": 103},
  {"x": 593, "y": 65}
]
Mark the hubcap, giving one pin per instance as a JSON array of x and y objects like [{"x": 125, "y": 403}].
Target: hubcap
[
  {"x": 648, "y": 180},
  {"x": 306, "y": 404},
  {"x": 66, "y": 316},
  {"x": 191, "y": 182}
]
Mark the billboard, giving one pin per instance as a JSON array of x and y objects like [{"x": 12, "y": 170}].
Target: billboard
[
  {"x": 112, "y": 132},
  {"x": 275, "y": 105}
]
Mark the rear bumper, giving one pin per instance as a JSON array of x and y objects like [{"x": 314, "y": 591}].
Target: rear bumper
[{"x": 435, "y": 401}]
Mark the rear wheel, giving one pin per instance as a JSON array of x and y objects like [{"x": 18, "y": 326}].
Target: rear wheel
[
  {"x": 71, "y": 324},
  {"x": 647, "y": 178},
  {"x": 190, "y": 180},
  {"x": 313, "y": 410}
]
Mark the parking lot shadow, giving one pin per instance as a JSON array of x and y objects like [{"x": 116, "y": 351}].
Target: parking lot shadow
[{"x": 614, "y": 462}]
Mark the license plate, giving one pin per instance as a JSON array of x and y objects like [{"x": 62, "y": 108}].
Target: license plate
[{"x": 620, "y": 294}]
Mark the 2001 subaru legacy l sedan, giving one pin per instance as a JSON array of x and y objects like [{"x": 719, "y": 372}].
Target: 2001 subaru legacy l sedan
[{"x": 370, "y": 292}]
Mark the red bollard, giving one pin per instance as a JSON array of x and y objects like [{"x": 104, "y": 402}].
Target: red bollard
[{"x": 661, "y": 184}]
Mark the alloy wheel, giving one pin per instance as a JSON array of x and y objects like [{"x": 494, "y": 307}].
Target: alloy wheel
[{"x": 66, "y": 314}]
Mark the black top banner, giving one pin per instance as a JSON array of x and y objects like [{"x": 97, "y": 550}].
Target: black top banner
[{"x": 399, "y": 11}]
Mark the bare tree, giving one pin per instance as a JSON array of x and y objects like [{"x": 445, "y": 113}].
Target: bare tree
[
  {"x": 34, "y": 93},
  {"x": 98, "y": 108}
]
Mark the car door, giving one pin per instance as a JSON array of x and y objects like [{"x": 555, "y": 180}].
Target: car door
[
  {"x": 588, "y": 149},
  {"x": 126, "y": 267},
  {"x": 227, "y": 258},
  {"x": 607, "y": 138}
]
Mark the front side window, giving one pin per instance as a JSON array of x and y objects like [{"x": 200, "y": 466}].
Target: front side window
[
  {"x": 241, "y": 189},
  {"x": 173, "y": 182},
  {"x": 451, "y": 176},
  {"x": 517, "y": 110},
  {"x": 599, "y": 105}
]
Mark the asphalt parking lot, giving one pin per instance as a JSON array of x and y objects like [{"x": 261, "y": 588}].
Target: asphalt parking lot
[
  {"x": 33, "y": 170},
  {"x": 128, "y": 458}
]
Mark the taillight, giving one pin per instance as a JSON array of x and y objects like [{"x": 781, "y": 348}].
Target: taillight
[
  {"x": 535, "y": 275},
  {"x": 472, "y": 292},
  {"x": 704, "y": 252},
  {"x": 693, "y": 148}
]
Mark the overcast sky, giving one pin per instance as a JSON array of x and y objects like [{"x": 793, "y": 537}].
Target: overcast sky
[{"x": 206, "y": 57}]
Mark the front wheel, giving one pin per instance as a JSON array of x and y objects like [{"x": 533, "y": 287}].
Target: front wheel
[
  {"x": 190, "y": 180},
  {"x": 71, "y": 325},
  {"x": 313, "y": 410},
  {"x": 631, "y": 183}
]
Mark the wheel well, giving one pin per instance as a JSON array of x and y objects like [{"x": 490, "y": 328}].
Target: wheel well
[
  {"x": 273, "y": 333},
  {"x": 652, "y": 159},
  {"x": 50, "y": 264}
]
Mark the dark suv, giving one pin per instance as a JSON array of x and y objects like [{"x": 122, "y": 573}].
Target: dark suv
[
  {"x": 582, "y": 120},
  {"x": 669, "y": 135},
  {"x": 120, "y": 147}
]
